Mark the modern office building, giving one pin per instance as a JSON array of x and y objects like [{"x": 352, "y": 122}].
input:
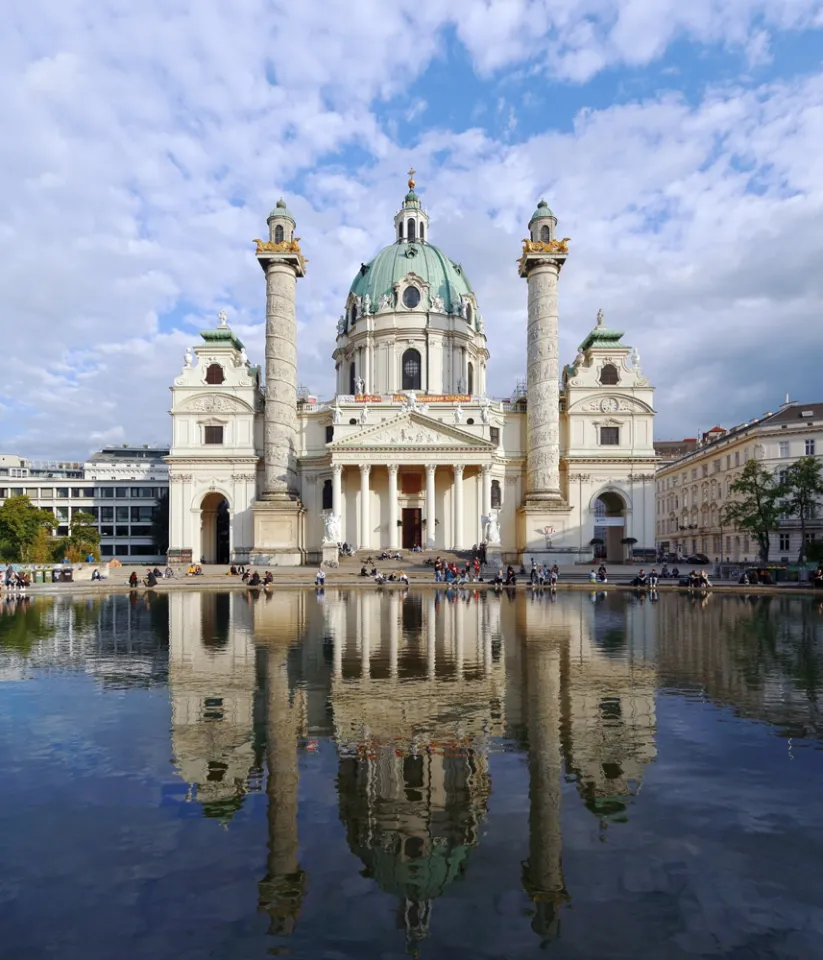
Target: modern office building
[{"x": 119, "y": 486}]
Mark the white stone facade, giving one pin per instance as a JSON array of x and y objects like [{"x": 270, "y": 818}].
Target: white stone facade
[{"x": 410, "y": 451}]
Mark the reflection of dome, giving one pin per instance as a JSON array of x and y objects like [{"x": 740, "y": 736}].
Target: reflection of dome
[{"x": 446, "y": 279}]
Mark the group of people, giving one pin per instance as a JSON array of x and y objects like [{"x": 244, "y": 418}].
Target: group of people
[
  {"x": 601, "y": 576},
  {"x": 450, "y": 572},
  {"x": 399, "y": 576},
  {"x": 15, "y": 580},
  {"x": 541, "y": 575},
  {"x": 195, "y": 570}
]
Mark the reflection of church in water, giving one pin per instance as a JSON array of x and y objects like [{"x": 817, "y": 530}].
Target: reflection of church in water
[{"x": 417, "y": 693}]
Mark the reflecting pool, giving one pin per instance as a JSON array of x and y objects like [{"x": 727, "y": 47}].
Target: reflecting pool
[{"x": 363, "y": 774}]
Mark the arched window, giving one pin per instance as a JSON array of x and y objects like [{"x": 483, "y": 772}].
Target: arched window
[
  {"x": 352, "y": 378},
  {"x": 214, "y": 373},
  {"x": 469, "y": 314},
  {"x": 608, "y": 375},
  {"x": 545, "y": 234},
  {"x": 422, "y": 231},
  {"x": 410, "y": 230},
  {"x": 470, "y": 384},
  {"x": 497, "y": 498},
  {"x": 353, "y": 314},
  {"x": 278, "y": 233},
  {"x": 411, "y": 370},
  {"x": 400, "y": 230},
  {"x": 327, "y": 495}
]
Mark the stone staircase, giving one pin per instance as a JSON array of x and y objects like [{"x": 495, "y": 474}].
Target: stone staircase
[{"x": 418, "y": 563}]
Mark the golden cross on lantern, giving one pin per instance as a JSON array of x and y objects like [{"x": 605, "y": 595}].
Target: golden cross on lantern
[{"x": 411, "y": 178}]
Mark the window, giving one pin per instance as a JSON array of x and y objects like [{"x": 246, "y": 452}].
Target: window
[
  {"x": 106, "y": 550},
  {"x": 46, "y": 493},
  {"x": 329, "y": 433},
  {"x": 470, "y": 385},
  {"x": 352, "y": 379},
  {"x": 212, "y": 434},
  {"x": 353, "y": 314},
  {"x": 737, "y": 458},
  {"x": 705, "y": 469},
  {"x": 121, "y": 531},
  {"x": 810, "y": 448},
  {"x": 143, "y": 493},
  {"x": 17, "y": 491},
  {"x": 62, "y": 493},
  {"x": 422, "y": 231},
  {"x": 610, "y": 436},
  {"x": 107, "y": 514},
  {"x": 278, "y": 233},
  {"x": 545, "y": 234},
  {"x": 106, "y": 531},
  {"x": 62, "y": 512},
  {"x": 784, "y": 451},
  {"x": 469, "y": 313},
  {"x": 608, "y": 375},
  {"x": 400, "y": 230},
  {"x": 214, "y": 374},
  {"x": 411, "y": 297},
  {"x": 411, "y": 362},
  {"x": 497, "y": 498},
  {"x": 782, "y": 476},
  {"x": 784, "y": 541},
  {"x": 121, "y": 550},
  {"x": 144, "y": 549},
  {"x": 715, "y": 466},
  {"x": 327, "y": 495},
  {"x": 410, "y": 231},
  {"x": 122, "y": 513},
  {"x": 140, "y": 531},
  {"x": 811, "y": 537},
  {"x": 105, "y": 493}
]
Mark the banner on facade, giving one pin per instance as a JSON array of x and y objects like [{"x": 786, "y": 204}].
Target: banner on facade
[
  {"x": 436, "y": 398},
  {"x": 610, "y": 522}
]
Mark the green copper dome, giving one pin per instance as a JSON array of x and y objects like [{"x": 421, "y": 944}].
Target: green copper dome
[
  {"x": 281, "y": 210},
  {"x": 543, "y": 210},
  {"x": 446, "y": 278}
]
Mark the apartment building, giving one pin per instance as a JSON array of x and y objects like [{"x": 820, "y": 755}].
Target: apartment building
[
  {"x": 690, "y": 492},
  {"x": 119, "y": 486}
]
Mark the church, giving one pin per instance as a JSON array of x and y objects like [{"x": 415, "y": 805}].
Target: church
[{"x": 411, "y": 451}]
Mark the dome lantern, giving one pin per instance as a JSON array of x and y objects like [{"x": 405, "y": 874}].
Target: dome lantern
[
  {"x": 411, "y": 223},
  {"x": 543, "y": 223},
  {"x": 281, "y": 223}
]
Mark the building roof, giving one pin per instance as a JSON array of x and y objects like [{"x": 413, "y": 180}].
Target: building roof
[
  {"x": 222, "y": 335},
  {"x": 281, "y": 210},
  {"x": 543, "y": 210},
  {"x": 446, "y": 278}
]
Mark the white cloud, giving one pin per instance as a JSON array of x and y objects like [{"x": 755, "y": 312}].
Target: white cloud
[{"x": 145, "y": 147}]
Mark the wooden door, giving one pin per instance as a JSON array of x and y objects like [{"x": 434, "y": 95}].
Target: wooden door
[{"x": 412, "y": 527}]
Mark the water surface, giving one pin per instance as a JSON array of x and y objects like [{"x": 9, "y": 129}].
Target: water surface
[{"x": 366, "y": 774}]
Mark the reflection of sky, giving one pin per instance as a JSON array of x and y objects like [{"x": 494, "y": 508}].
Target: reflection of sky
[{"x": 102, "y": 856}]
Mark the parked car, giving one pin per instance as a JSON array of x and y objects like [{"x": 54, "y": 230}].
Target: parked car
[{"x": 697, "y": 558}]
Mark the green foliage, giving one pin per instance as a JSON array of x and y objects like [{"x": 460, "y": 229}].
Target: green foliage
[
  {"x": 756, "y": 507},
  {"x": 160, "y": 524},
  {"x": 83, "y": 538},
  {"x": 802, "y": 488},
  {"x": 20, "y": 526},
  {"x": 814, "y": 551}
]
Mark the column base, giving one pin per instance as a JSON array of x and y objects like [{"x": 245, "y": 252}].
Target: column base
[
  {"x": 545, "y": 531},
  {"x": 278, "y": 533}
]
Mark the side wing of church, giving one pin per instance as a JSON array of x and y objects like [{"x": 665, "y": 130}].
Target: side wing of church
[{"x": 411, "y": 452}]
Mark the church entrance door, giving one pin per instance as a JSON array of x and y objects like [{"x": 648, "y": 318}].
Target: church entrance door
[
  {"x": 412, "y": 527},
  {"x": 215, "y": 529}
]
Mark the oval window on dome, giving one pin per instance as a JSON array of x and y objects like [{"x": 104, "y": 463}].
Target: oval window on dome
[{"x": 411, "y": 297}]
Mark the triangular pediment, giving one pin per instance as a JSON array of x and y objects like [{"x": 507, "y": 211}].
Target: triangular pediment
[{"x": 411, "y": 430}]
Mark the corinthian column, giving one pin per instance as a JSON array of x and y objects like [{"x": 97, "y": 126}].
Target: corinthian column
[{"x": 543, "y": 256}]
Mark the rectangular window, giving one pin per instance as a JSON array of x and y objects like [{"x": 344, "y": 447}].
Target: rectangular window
[
  {"x": 728, "y": 460},
  {"x": 782, "y": 475},
  {"x": 784, "y": 450},
  {"x": 784, "y": 541},
  {"x": 62, "y": 513},
  {"x": 212, "y": 434},
  {"x": 105, "y": 493},
  {"x": 610, "y": 436},
  {"x": 62, "y": 531},
  {"x": 141, "y": 514},
  {"x": 143, "y": 493},
  {"x": 106, "y": 531},
  {"x": 143, "y": 550},
  {"x": 62, "y": 493},
  {"x": 107, "y": 514},
  {"x": 737, "y": 458},
  {"x": 494, "y": 435},
  {"x": 121, "y": 531},
  {"x": 329, "y": 433},
  {"x": 705, "y": 469},
  {"x": 715, "y": 466},
  {"x": 106, "y": 550},
  {"x": 31, "y": 493},
  {"x": 810, "y": 448},
  {"x": 121, "y": 514},
  {"x": 121, "y": 549},
  {"x": 17, "y": 491},
  {"x": 137, "y": 531},
  {"x": 811, "y": 537}
]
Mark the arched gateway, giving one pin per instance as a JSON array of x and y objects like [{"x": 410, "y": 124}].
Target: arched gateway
[
  {"x": 215, "y": 529},
  {"x": 610, "y": 527}
]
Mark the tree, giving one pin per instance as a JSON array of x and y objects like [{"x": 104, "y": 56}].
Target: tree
[
  {"x": 802, "y": 488},
  {"x": 160, "y": 524},
  {"x": 757, "y": 507},
  {"x": 20, "y": 526},
  {"x": 83, "y": 538}
]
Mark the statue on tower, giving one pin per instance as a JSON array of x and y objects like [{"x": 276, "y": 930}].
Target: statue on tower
[{"x": 223, "y": 318}]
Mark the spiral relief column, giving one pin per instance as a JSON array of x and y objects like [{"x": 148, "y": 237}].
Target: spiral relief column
[{"x": 278, "y": 513}]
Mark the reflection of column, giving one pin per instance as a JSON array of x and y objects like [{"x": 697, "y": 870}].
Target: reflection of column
[
  {"x": 365, "y": 524},
  {"x": 393, "y": 505},
  {"x": 458, "y": 506},
  {"x": 337, "y": 491},
  {"x": 459, "y": 638},
  {"x": 431, "y": 637},
  {"x": 430, "y": 515},
  {"x": 394, "y": 630},
  {"x": 364, "y": 629},
  {"x": 281, "y": 893},
  {"x": 543, "y": 871}
]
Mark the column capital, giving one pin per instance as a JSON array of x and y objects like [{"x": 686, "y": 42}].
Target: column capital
[
  {"x": 458, "y": 469},
  {"x": 337, "y": 469},
  {"x": 365, "y": 469},
  {"x": 430, "y": 469},
  {"x": 392, "y": 468},
  {"x": 487, "y": 469}
]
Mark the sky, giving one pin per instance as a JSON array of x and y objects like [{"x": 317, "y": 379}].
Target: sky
[{"x": 144, "y": 145}]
